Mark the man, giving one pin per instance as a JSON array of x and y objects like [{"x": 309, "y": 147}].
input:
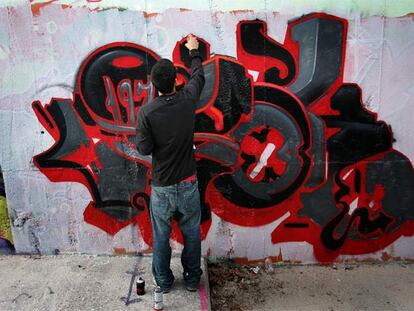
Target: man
[{"x": 165, "y": 130}]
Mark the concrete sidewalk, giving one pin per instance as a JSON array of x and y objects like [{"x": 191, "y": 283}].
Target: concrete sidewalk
[{"x": 84, "y": 282}]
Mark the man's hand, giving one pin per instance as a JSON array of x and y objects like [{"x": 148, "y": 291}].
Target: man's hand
[{"x": 192, "y": 43}]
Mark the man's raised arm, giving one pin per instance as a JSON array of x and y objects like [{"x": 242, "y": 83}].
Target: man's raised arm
[{"x": 196, "y": 82}]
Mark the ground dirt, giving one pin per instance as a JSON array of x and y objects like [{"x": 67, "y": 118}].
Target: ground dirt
[{"x": 385, "y": 286}]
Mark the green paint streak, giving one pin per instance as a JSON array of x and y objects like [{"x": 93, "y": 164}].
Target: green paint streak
[
  {"x": 5, "y": 231},
  {"x": 120, "y": 9},
  {"x": 389, "y": 8}
]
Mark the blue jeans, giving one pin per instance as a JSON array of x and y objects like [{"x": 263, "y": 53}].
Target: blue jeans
[{"x": 181, "y": 201}]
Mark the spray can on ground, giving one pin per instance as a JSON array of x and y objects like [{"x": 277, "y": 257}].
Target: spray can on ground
[
  {"x": 140, "y": 286},
  {"x": 158, "y": 303}
]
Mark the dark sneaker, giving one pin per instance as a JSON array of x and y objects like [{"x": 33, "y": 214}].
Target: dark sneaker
[
  {"x": 191, "y": 288},
  {"x": 165, "y": 290}
]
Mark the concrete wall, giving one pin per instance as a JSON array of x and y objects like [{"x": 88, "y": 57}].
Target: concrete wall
[{"x": 304, "y": 129}]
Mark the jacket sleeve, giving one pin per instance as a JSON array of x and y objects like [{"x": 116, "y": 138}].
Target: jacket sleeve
[
  {"x": 144, "y": 139},
  {"x": 196, "y": 82}
]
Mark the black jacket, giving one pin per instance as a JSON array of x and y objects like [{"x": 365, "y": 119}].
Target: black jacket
[{"x": 166, "y": 129}]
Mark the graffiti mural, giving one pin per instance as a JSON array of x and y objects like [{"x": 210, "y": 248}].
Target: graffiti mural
[{"x": 278, "y": 134}]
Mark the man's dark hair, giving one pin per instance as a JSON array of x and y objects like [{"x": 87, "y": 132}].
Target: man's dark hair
[{"x": 163, "y": 76}]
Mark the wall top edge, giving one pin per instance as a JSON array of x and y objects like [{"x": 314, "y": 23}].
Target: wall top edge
[{"x": 292, "y": 7}]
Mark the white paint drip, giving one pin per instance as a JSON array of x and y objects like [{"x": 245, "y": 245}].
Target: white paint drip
[
  {"x": 263, "y": 160},
  {"x": 281, "y": 219},
  {"x": 353, "y": 206},
  {"x": 347, "y": 174},
  {"x": 254, "y": 73}
]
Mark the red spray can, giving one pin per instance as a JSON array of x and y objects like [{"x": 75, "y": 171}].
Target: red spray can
[{"x": 140, "y": 286}]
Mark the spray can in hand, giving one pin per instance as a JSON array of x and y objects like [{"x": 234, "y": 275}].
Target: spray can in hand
[{"x": 158, "y": 302}]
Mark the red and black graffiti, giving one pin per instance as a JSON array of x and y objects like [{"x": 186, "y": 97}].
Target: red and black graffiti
[{"x": 277, "y": 133}]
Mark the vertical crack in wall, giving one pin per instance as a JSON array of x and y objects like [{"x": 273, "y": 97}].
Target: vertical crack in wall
[
  {"x": 215, "y": 21},
  {"x": 33, "y": 238},
  {"x": 383, "y": 19}
]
